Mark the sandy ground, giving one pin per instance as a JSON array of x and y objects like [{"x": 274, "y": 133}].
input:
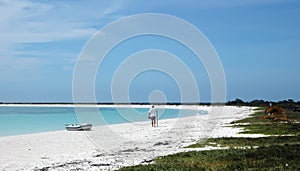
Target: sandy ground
[{"x": 113, "y": 146}]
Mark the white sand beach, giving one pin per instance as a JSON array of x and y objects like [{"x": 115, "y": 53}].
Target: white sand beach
[{"x": 114, "y": 146}]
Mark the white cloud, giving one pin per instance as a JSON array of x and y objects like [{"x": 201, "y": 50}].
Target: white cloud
[{"x": 27, "y": 21}]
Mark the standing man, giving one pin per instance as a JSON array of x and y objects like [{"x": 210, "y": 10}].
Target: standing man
[{"x": 152, "y": 115}]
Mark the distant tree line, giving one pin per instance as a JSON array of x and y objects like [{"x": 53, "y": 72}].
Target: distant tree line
[{"x": 288, "y": 104}]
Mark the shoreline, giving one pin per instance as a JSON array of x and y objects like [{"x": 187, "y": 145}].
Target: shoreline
[
  {"x": 115, "y": 146},
  {"x": 177, "y": 107},
  {"x": 164, "y": 106}
]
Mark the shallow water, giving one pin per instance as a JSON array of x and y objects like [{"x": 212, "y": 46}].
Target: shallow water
[{"x": 33, "y": 119}]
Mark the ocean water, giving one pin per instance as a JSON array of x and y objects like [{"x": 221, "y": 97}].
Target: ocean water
[{"x": 33, "y": 119}]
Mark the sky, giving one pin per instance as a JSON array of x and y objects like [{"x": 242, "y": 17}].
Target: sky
[{"x": 257, "y": 41}]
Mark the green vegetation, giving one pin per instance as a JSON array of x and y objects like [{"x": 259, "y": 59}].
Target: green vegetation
[
  {"x": 275, "y": 157},
  {"x": 287, "y": 104},
  {"x": 272, "y": 129},
  {"x": 254, "y": 118},
  {"x": 249, "y": 142},
  {"x": 277, "y": 152},
  {"x": 259, "y": 125}
]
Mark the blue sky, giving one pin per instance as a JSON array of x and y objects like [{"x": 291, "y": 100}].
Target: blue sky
[{"x": 258, "y": 42}]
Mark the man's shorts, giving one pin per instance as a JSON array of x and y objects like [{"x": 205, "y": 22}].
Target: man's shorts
[{"x": 152, "y": 117}]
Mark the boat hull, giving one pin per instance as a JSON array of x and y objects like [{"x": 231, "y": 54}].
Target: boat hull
[{"x": 78, "y": 127}]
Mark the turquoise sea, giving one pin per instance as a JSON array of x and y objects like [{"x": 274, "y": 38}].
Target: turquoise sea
[{"x": 34, "y": 119}]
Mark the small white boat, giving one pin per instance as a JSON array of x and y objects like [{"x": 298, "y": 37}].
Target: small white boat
[{"x": 79, "y": 127}]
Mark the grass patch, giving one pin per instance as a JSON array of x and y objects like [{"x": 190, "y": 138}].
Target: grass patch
[
  {"x": 259, "y": 113},
  {"x": 275, "y": 157},
  {"x": 253, "y": 118},
  {"x": 249, "y": 142},
  {"x": 295, "y": 116},
  {"x": 272, "y": 128},
  {"x": 258, "y": 125}
]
